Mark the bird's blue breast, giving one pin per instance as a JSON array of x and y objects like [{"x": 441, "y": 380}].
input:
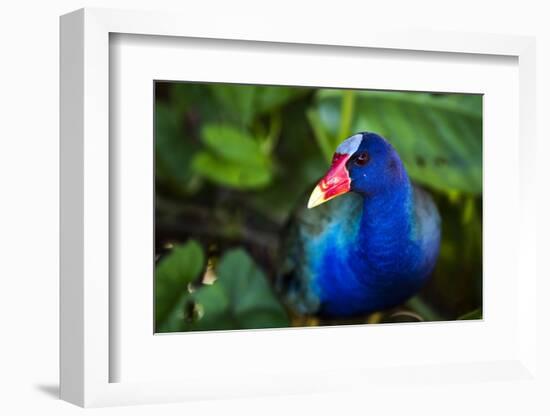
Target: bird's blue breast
[
  {"x": 337, "y": 284},
  {"x": 357, "y": 266},
  {"x": 335, "y": 279}
]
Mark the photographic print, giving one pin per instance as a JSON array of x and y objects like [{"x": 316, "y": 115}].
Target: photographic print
[{"x": 282, "y": 206}]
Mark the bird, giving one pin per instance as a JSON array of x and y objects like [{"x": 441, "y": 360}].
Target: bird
[{"x": 367, "y": 240}]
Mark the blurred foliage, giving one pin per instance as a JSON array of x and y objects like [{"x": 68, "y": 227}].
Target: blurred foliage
[
  {"x": 233, "y": 295},
  {"x": 233, "y": 158},
  {"x": 475, "y": 314},
  {"x": 231, "y": 162}
]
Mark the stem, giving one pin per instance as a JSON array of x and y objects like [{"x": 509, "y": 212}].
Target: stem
[
  {"x": 348, "y": 103},
  {"x": 179, "y": 221},
  {"x": 322, "y": 138},
  {"x": 275, "y": 125},
  {"x": 423, "y": 309}
]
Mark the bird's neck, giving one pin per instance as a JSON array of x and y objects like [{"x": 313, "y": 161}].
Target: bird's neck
[{"x": 384, "y": 241}]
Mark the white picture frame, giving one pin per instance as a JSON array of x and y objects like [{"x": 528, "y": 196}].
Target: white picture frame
[{"x": 87, "y": 356}]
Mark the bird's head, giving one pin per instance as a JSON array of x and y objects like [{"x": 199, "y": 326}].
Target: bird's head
[{"x": 364, "y": 163}]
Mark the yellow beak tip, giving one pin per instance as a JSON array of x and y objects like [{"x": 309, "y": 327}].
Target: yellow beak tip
[
  {"x": 317, "y": 198},
  {"x": 311, "y": 204}
]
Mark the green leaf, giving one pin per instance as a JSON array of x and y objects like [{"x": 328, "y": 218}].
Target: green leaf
[
  {"x": 234, "y": 145},
  {"x": 469, "y": 102},
  {"x": 172, "y": 277},
  {"x": 236, "y": 100},
  {"x": 439, "y": 137},
  {"x": 253, "y": 303},
  {"x": 242, "y": 103},
  {"x": 230, "y": 174},
  {"x": 240, "y": 298},
  {"x": 206, "y": 309},
  {"x": 475, "y": 314},
  {"x": 271, "y": 98}
]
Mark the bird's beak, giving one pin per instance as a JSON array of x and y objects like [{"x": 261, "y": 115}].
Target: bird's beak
[{"x": 335, "y": 182}]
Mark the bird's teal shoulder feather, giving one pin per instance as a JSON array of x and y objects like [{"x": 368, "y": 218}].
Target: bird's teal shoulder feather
[{"x": 305, "y": 234}]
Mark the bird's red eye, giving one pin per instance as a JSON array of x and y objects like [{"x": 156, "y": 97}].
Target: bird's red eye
[{"x": 362, "y": 159}]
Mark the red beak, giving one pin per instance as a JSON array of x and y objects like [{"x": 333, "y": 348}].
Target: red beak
[{"x": 335, "y": 182}]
